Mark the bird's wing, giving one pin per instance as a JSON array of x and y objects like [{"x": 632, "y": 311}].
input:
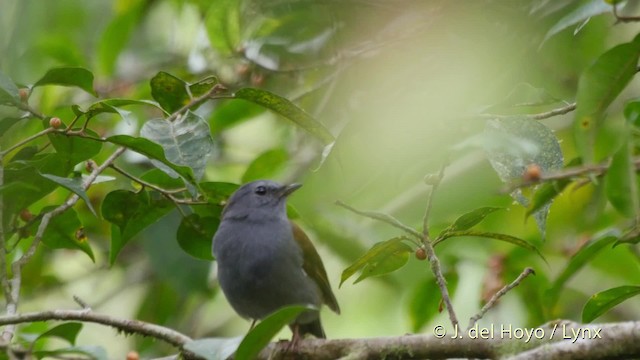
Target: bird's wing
[{"x": 314, "y": 267}]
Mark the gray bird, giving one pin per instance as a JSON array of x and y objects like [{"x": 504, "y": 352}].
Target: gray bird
[{"x": 265, "y": 261}]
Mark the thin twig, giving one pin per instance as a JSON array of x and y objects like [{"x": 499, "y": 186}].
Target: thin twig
[
  {"x": 491, "y": 303},
  {"x": 384, "y": 218},
  {"x": 540, "y": 116},
  {"x": 197, "y": 101},
  {"x": 29, "y": 139},
  {"x": 31, "y": 110},
  {"x": 167, "y": 335},
  {"x": 434, "y": 182}
]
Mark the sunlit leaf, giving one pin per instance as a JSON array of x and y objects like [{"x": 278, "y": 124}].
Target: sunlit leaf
[
  {"x": 131, "y": 213},
  {"x": 288, "y": 110},
  {"x": 153, "y": 151},
  {"x": 266, "y": 165},
  {"x": 186, "y": 141},
  {"x": 602, "y": 302},
  {"x": 598, "y": 86},
  {"x": 576, "y": 263},
  {"x": 384, "y": 257},
  {"x": 470, "y": 219},
  {"x": 214, "y": 348},
  {"x": 195, "y": 235},
  {"x": 74, "y": 185},
  {"x": 69, "y": 76},
  {"x": 261, "y": 335}
]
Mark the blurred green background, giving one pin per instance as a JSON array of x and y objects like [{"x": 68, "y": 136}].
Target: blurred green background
[{"x": 399, "y": 83}]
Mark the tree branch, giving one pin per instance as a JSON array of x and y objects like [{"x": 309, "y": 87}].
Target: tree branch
[{"x": 167, "y": 335}]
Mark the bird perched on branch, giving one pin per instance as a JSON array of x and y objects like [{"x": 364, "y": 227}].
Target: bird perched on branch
[{"x": 266, "y": 262}]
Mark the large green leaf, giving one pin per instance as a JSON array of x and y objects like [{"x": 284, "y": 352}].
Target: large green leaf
[
  {"x": 131, "y": 213},
  {"x": 621, "y": 185},
  {"x": 186, "y": 141},
  {"x": 9, "y": 94},
  {"x": 598, "y": 86},
  {"x": 288, "y": 110},
  {"x": 384, "y": 257},
  {"x": 214, "y": 348},
  {"x": 75, "y": 148},
  {"x": 69, "y": 76},
  {"x": 576, "y": 263},
  {"x": 68, "y": 331},
  {"x": 65, "y": 231},
  {"x": 266, "y": 165},
  {"x": 153, "y": 151},
  {"x": 470, "y": 219},
  {"x": 162, "y": 179},
  {"x": 74, "y": 185},
  {"x": 195, "y": 235},
  {"x": 260, "y": 335},
  {"x": 172, "y": 93},
  {"x": 601, "y": 302},
  {"x": 489, "y": 235}
]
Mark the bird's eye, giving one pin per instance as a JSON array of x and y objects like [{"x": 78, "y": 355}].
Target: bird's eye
[{"x": 261, "y": 190}]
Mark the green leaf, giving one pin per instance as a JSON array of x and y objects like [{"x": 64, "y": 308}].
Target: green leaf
[
  {"x": 217, "y": 194},
  {"x": 266, "y": 165},
  {"x": 195, "y": 235},
  {"x": 203, "y": 86},
  {"x": 131, "y": 213},
  {"x": 621, "y": 185},
  {"x": 383, "y": 258},
  {"x": 93, "y": 352},
  {"x": 425, "y": 300},
  {"x": 9, "y": 93},
  {"x": 65, "y": 231},
  {"x": 576, "y": 263},
  {"x": 288, "y": 110},
  {"x": 598, "y": 86},
  {"x": 8, "y": 122},
  {"x": 545, "y": 194},
  {"x": 579, "y": 15},
  {"x": 489, "y": 235},
  {"x": 153, "y": 151},
  {"x": 117, "y": 34},
  {"x": 74, "y": 185},
  {"x": 68, "y": 331},
  {"x": 114, "y": 106},
  {"x": 260, "y": 336},
  {"x": 470, "y": 219},
  {"x": 214, "y": 348},
  {"x": 69, "y": 76},
  {"x": 601, "y": 302},
  {"x": 632, "y": 112},
  {"x": 232, "y": 112},
  {"x": 74, "y": 148},
  {"x": 223, "y": 26},
  {"x": 169, "y": 91},
  {"x": 186, "y": 141},
  {"x": 160, "y": 178}
]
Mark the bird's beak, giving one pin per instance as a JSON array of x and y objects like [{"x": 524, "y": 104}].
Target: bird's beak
[{"x": 286, "y": 190}]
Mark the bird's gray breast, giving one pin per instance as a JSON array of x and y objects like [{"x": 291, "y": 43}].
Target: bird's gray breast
[{"x": 260, "y": 267}]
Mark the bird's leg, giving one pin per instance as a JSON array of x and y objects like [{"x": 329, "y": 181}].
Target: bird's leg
[
  {"x": 253, "y": 324},
  {"x": 295, "y": 339}
]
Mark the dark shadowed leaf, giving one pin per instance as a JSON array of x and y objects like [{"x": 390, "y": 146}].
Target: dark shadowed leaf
[
  {"x": 602, "y": 302},
  {"x": 576, "y": 263},
  {"x": 470, "y": 219},
  {"x": 384, "y": 257},
  {"x": 266, "y": 165},
  {"x": 153, "y": 151},
  {"x": 260, "y": 336},
  {"x": 131, "y": 213},
  {"x": 214, "y": 348},
  {"x": 9, "y": 94},
  {"x": 65, "y": 231},
  {"x": 598, "y": 86},
  {"x": 69, "y": 76},
  {"x": 74, "y": 185},
  {"x": 621, "y": 185},
  {"x": 286, "y": 109},
  {"x": 68, "y": 331},
  {"x": 160, "y": 178},
  {"x": 195, "y": 234},
  {"x": 502, "y": 237},
  {"x": 186, "y": 141}
]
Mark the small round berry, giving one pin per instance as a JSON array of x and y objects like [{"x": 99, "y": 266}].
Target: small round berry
[
  {"x": 421, "y": 254},
  {"x": 133, "y": 355},
  {"x": 24, "y": 94},
  {"x": 25, "y": 215},
  {"x": 55, "y": 122},
  {"x": 532, "y": 173}
]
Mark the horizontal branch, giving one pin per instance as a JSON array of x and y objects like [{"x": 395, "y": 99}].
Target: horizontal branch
[{"x": 126, "y": 325}]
